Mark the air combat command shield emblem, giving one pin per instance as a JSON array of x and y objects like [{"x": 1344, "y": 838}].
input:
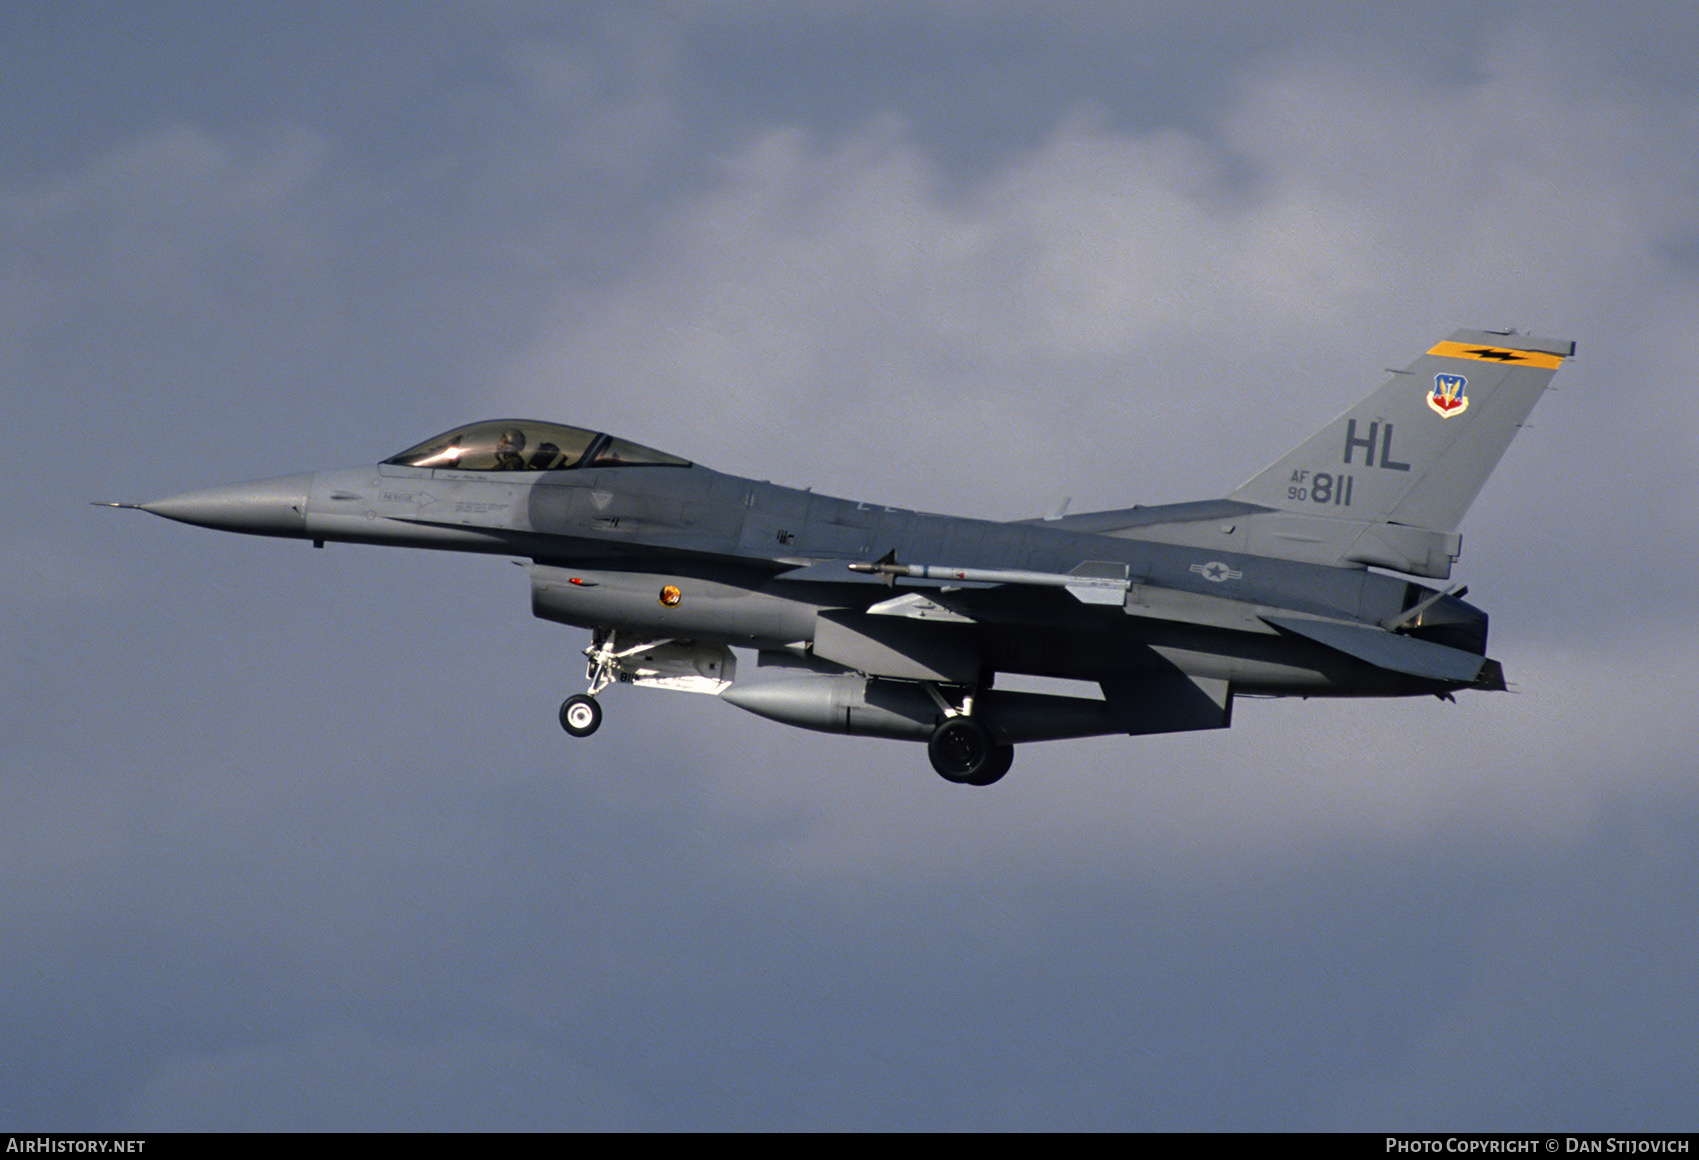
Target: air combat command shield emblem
[{"x": 1447, "y": 397}]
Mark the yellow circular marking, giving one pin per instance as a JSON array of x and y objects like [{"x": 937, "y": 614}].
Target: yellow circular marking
[{"x": 670, "y": 596}]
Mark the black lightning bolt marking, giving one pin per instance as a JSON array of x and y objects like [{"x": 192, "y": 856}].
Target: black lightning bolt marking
[{"x": 1495, "y": 355}]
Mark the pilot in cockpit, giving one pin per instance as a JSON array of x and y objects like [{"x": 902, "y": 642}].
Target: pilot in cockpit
[{"x": 510, "y": 451}]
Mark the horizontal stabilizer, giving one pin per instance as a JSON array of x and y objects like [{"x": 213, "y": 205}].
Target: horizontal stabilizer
[{"x": 1387, "y": 650}]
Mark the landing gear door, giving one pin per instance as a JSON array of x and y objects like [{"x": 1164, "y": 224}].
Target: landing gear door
[{"x": 684, "y": 668}]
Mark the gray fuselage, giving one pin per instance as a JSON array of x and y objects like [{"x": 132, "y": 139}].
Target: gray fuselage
[{"x": 758, "y": 564}]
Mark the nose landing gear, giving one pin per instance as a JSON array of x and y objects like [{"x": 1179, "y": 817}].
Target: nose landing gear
[
  {"x": 580, "y": 714},
  {"x": 686, "y": 666}
]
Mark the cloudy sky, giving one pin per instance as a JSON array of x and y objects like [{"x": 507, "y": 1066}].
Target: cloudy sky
[{"x": 291, "y": 839}]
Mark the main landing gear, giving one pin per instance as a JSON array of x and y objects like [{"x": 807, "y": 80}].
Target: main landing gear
[{"x": 962, "y": 749}]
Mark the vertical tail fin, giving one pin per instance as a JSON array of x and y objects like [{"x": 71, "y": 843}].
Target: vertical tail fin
[
  {"x": 1410, "y": 459},
  {"x": 1384, "y": 484},
  {"x": 1418, "y": 450}
]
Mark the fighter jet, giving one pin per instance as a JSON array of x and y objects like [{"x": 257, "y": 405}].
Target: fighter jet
[{"x": 893, "y": 623}]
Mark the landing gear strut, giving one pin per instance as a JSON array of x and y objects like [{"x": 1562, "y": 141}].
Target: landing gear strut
[
  {"x": 963, "y": 751},
  {"x": 581, "y": 713}
]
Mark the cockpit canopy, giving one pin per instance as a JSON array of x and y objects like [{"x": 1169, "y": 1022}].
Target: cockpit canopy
[{"x": 528, "y": 445}]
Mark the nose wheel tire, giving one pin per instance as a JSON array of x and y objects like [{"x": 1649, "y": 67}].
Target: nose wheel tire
[
  {"x": 580, "y": 714},
  {"x": 962, "y": 751}
]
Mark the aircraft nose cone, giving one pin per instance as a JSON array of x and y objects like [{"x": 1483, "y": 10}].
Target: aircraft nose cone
[{"x": 271, "y": 507}]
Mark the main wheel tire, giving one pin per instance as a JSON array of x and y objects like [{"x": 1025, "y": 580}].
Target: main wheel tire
[
  {"x": 962, "y": 750},
  {"x": 1002, "y": 757},
  {"x": 580, "y": 714}
]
